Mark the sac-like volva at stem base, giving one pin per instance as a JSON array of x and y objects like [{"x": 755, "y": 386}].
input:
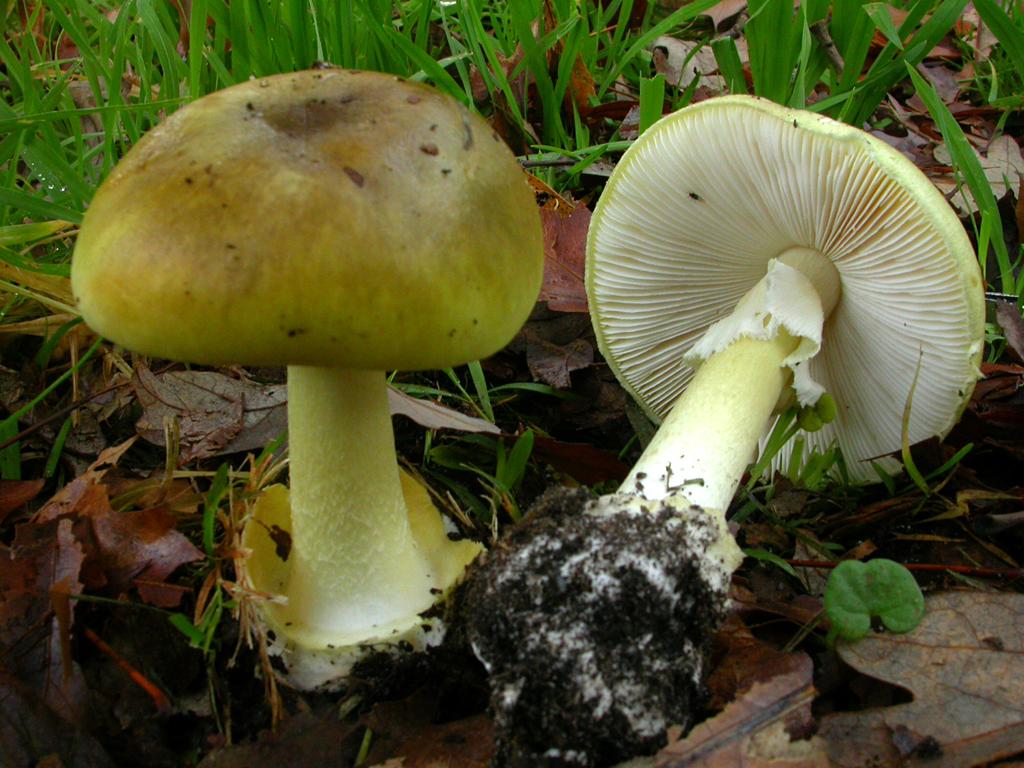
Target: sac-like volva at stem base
[{"x": 358, "y": 552}]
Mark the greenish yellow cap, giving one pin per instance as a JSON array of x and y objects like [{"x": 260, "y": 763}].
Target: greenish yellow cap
[{"x": 325, "y": 217}]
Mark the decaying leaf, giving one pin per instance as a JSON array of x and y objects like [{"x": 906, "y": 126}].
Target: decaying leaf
[
  {"x": 217, "y": 414},
  {"x": 33, "y": 734},
  {"x": 43, "y": 559},
  {"x": 551, "y": 363},
  {"x": 307, "y": 740},
  {"x": 768, "y": 726},
  {"x": 962, "y": 665},
  {"x": 138, "y": 549},
  {"x": 1010, "y": 320},
  {"x": 16, "y": 493},
  {"x": 565, "y": 245},
  {"x": 405, "y": 732},
  {"x": 586, "y": 463},
  {"x": 69, "y": 498},
  {"x": 119, "y": 546},
  {"x": 1002, "y": 164},
  {"x": 683, "y": 61},
  {"x": 433, "y": 415},
  {"x": 740, "y": 660}
]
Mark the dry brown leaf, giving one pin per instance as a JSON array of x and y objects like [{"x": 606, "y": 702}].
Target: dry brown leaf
[
  {"x": 1002, "y": 164},
  {"x": 565, "y": 246},
  {"x": 312, "y": 739},
  {"x": 586, "y": 463},
  {"x": 118, "y": 547},
  {"x": 741, "y": 660},
  {"x": 677, "y": 61},
  {"x": 44, "y": 556},
  {"x": 1010, "y": 320},
  {"x": 971, "y": 29},
  {"x": 32, "y": 734},
  {"x": 725, "y": 12},
  {"x": 138, "y": 549},
  {"x": 551, "y": 363},
  {"x": 217, "y": 414},
  {"x": 16, "y": 493},
  {"x": 67, "y": 500},
  {"x": 433, "y": 415},
  {"x": 769, "y": 726},
  {"x": 962, "y": 665},
  {"x": 405, "y": 733}
]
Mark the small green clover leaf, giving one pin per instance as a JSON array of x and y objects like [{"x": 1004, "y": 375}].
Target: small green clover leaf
[{"x": 858, "y": 591}]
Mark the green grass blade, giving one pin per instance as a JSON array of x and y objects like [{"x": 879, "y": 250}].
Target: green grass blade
[{"x": 967, "y": 165}]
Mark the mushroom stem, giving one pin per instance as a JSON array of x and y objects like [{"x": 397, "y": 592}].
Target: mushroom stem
[
  {"x": 355, "y": 562},
  {"x": 705, "y": 443}
]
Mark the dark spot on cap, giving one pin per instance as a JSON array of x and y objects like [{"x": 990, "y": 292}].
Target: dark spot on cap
[
  {"x": 188, "y": 179},
  {"x": 209, "y": 168},
  {"x": 293, "y": 332},
  {"x": 356, "y": 176},
  {"x": 414, "y": 99},
  {"x": 475, "y": 321},
  {"x": 433, "y": 126},
  {"x": 695, "y": 196},
  {"x": 347, "y": 99},
  {"x": 303, "y": 118},
  {"x": 445, "y": 171},
  {"x": 230, "y": 246},
  {"x": 451, "y": 333},
  {"x": 249, "y": 106},
  {"x": 428, "y": 149},
  {"x": 794, "y": 123},
  {"x": 223, "y": 205}
]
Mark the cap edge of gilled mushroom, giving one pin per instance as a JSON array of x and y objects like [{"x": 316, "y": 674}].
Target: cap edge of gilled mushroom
[{"x": 897, "y": 167}]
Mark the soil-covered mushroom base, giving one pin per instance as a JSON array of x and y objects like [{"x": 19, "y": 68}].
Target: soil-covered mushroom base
[{"x": 595, "y": 629}]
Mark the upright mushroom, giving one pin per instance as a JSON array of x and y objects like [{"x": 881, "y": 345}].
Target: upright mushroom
[
  {"x": 781, "y": 254},
  {"x": 341, "y": 223}
]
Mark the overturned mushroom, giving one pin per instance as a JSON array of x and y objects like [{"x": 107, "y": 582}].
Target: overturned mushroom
[
  {"x": 789, "y": 255},
  {"x": 744, "y": 255},
  {"x": 341, "y": 223}
]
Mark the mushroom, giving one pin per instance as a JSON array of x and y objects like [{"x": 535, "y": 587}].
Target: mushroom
[
  {"x": 744, "y": 255},
  {"x": 341, "y": 223},
  {"x": 784, "y": 256}
]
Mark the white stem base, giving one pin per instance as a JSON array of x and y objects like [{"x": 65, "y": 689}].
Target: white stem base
[{"x": 358, "y": 551}]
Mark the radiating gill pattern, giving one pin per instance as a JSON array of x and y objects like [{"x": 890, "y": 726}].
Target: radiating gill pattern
[{"x": 694, "y": 225}]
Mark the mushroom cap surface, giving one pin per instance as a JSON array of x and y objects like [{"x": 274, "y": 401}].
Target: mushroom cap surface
[
  {"x": 324, "y": 217},
  {"x": 705, "y": 198}
]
